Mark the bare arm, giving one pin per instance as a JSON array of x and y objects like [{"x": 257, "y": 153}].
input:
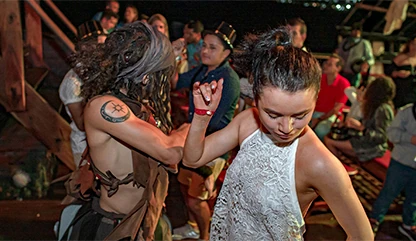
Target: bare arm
[
  {"x": 334, "y": 111},
  {"x": 76, "y": 110},
  {"x": 325, "y": 116},
  {"x": 331, "y": 181},
  {"x": 199, "y": 150},
  {"x": 110, "y": 115}
]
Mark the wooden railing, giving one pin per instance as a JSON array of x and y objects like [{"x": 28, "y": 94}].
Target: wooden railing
[
  {"x": 16, "y": 95},
  {"x": 48, "y": 21},
  {"x": 61, "y": 16}
]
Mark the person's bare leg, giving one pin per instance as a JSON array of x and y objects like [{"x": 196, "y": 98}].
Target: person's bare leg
[
  {"x": 202, "y": 214},
  {"x": 339, "y": 147},
  {"x": 191, "y": 217}
]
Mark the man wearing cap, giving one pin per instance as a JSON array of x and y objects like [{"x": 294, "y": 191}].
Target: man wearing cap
[
  {"x": 198, "y": 185},
  {"x": 354, "y": 49}
]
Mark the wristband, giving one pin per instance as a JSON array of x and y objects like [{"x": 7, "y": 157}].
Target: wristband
[{"x": 204, "y": 112}]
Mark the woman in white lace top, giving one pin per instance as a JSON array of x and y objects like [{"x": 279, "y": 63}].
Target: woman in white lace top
[{"x": 281, "y": 166}]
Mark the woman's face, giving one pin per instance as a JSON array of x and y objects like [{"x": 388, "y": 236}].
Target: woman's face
[
  {"x": 160, "y": 26},
  {"x": 284, "y": 114},
  {"x": 130, "y": 15},
  {"x": 213, "y": 52}
]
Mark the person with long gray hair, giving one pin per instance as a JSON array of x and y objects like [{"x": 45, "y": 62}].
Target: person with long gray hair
[{"x": 129, "y": 133}]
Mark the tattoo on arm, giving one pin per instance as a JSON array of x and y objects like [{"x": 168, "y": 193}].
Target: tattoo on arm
[{"x": 119, "y": 109}]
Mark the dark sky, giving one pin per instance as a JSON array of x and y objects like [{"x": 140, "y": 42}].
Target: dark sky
[{"x": 245, "y": 16}]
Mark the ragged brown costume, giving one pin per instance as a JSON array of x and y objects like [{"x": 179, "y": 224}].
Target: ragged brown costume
[{"x": 148, "y": 173}]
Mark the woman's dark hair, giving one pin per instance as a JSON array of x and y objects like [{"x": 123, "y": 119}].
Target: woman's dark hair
[
  {"x": 135, "y": 58},
  {"x": 380, "y": 91},
  {"x": 273, "y": 61}
]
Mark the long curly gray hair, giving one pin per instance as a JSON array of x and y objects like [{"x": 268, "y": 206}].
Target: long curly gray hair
[{"x": 136, "y": 58}]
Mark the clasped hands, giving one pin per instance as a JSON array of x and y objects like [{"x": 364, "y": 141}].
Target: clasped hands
[{"x": 207, "y": 96}]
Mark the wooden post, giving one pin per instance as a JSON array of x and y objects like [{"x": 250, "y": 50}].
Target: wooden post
[
  {"x": 12, "y": 93},
  {"x": 34, "y": 36}
]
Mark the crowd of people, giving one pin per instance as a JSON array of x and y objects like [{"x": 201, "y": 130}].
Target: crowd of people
[{"x": 267, "y": 97}]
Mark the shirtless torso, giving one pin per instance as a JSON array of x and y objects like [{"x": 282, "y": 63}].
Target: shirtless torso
[{"x": 112, "y": 132}]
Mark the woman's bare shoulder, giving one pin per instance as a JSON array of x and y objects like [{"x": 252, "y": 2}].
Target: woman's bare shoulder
[
  {"x": 313, "y": 156},
  {"x": 248, "y": 121}
]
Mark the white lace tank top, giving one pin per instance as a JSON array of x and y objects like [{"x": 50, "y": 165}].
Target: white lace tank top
[{"x": 258, "y": 199}]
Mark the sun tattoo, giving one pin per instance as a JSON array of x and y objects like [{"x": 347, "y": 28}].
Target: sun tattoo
[{"x": 116, "y": 108}]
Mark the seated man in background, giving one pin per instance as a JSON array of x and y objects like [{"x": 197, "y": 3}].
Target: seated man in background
[
  {"x": 197, "y": 185},
  {"x": 109, "y": 21},
  {"x": 331, "y": 97}
]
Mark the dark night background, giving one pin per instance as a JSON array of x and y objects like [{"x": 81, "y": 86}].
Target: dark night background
[
  {"x": 248, "y": 16},
  {"x": 245, "y": 16}
]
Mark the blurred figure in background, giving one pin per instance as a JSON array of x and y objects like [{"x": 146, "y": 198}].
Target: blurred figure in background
[
  {"x": 112, "y": 5},
  {"x": 331, "y": 98},
  {"x": 354, "y": 49},
  {"x": 108, "y": 21},
  {"x": 402, "y": 70},
  {"x": 369, "y": 139},
  {"x": 298, "y": 30},
  {"x": 192, "y": 33},
  {"x": 131, "y": 14},
  {"x": 401, "y": 173},
  {"x": 159, "y": 22}
]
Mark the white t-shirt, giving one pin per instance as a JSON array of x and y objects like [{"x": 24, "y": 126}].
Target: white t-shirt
[{"x": 69, "y": 92}]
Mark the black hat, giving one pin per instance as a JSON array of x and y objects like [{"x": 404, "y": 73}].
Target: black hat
[{"x": 226, "y": 33}]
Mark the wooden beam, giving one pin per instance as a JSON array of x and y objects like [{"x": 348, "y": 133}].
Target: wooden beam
[
  {"x": 379, "y": 9},
  {"x": 33, "y": 36},
  {"x": 62, "y": 16},
  {"x": 12, "y": 92},
  {"x": 44, "y": 123},
  {"x": 48, "y": 21}
]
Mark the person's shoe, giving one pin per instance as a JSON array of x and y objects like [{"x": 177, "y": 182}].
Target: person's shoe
[
  {"x": 185, "y": 232},
  {"x": 409, "y": 233},
  {"x": 350, "y": 170},
  {"x": 374, "y": 225}
]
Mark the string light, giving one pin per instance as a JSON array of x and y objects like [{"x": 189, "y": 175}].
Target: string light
[{"x": 337, "y": 5}]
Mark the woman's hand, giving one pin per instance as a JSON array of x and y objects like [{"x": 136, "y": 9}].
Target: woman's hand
[
  {"x": 354, "y": 124},
  {"x": 178, "y": 46},
  {"x": 207, "y": 96},
  {"x": 401, "y": 73}
]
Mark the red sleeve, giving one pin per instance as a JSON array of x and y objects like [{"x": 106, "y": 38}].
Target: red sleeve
[{"x": 341, "y": 97}]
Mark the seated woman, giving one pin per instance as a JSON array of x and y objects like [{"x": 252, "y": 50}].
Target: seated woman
[
  {"x": 159, "y": 22},
  {"x": 370, "y": 138},
  {"x": 131, "y": 14}
]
